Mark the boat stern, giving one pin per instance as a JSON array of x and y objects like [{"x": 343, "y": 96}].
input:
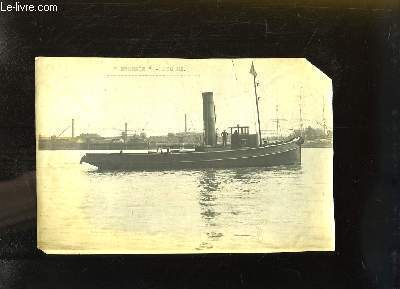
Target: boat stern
[{"x": 83, "y": 159}]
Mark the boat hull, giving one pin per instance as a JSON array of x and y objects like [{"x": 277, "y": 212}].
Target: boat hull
[{"x": 272, "y": 155}]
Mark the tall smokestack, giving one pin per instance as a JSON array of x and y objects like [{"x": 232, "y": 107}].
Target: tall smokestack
[
  {"x": 126, "y": 132},
  {"x": 209, "y": 119},
  {"x": 185, "y": 124},
  {"x": 73, "y": 128}
]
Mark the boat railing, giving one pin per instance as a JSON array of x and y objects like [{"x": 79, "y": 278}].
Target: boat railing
[{"x": 285, "y": 141}]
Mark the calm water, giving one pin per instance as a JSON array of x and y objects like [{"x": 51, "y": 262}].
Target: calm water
[{"x": 235, "y": 210}]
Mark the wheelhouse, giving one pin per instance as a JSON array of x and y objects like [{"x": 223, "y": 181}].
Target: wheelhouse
[{"x": 241, "y": 137}]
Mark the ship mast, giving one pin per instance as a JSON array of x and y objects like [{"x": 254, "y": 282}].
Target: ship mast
[
  {"x": 301, "y": 115},
  {"x": 323, "y": 115},
  {"x": 254, "y": 73}
]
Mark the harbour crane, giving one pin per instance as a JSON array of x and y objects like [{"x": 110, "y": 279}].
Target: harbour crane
[{"x": 63, "y": 131}]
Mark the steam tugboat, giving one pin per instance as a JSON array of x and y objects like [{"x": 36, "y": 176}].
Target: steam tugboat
[{"x": 246, "y": 150}]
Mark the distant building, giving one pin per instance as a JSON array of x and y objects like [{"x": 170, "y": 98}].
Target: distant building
[{"x": 90, "y": 136}]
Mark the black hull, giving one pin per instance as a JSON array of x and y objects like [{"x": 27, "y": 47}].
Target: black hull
[{"x": 287, "y": 153}]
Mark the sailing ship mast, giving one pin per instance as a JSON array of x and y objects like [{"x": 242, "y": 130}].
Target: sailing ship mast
[
  {"x": 301, "y": 115},
  {"x": 323, "y": 115},
  {"x": 254, "y": 73}
]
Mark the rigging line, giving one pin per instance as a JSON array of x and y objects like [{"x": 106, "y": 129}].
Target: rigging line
[
  {"x": 234, "y": 69},
  {"x": 64, "y": 131}
]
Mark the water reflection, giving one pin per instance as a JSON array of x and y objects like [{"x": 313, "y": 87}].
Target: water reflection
[
  {"x": 209, "y": 187},
  {"x": 228, "y": 197},
  {"x": 208, "y": 210}
]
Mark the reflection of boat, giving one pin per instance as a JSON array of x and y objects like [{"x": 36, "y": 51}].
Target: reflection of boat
[{"x": 246, "y": 150}]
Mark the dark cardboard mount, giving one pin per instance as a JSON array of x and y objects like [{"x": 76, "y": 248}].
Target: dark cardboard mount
[{"x": 357, "y": 44}]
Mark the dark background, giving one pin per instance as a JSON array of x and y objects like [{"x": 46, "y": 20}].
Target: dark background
[{"x": 356, "y": 43}]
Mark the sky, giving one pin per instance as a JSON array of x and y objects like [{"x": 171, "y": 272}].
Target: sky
[{"x": 154, "y": 94}]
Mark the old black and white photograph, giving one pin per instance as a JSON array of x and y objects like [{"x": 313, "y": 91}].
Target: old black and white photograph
[{"x": 163, "y": 155}]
